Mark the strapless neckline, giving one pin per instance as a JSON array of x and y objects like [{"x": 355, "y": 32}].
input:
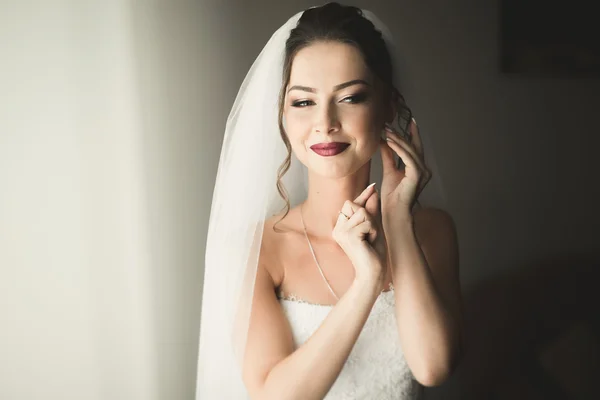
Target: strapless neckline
[{"x": 293, "y": 299}]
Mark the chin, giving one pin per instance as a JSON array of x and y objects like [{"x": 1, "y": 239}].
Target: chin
[{"x": 335, "y": 171}]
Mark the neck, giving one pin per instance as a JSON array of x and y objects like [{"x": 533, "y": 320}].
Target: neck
[{"x": 326, "y": 197}]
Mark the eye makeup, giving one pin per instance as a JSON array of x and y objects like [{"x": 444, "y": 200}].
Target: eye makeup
[{"x": 357, "y": 98}]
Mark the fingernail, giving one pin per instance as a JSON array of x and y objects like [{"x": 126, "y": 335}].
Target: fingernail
[
  {"x": 371, "y": 184},
  {"x": 414, "y": 120}
]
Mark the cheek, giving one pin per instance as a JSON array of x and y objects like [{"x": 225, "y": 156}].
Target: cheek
[
  {"x": 362, "y": 122},
  {"x": 294, "y": 119},
  {"x": 296, "y": 127}
]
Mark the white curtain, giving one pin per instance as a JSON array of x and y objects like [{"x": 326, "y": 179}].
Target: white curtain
[{"x": 95, "y": 281}]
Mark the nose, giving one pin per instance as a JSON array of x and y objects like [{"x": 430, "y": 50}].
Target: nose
[{"x": 326, "y": 120}]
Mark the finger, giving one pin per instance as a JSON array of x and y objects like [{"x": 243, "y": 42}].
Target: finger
[
  {"x": 395, "y": 138},
  {"x": 361, "y": 226},
  {"x": 402, "y": 142},
  {"x": 342, "y": 217},
  {"x": 362, "y": 198},
  {"x": 357, "y": 218},
  {"x": 349, "y": 208},
  {"x": 365, "y": 231},
  {"x": 372, "y": 208},
  {"x": 416, "y": 138},
  {"x": 407, "y": 159},
  {"x": 372, "y": 204},
  {"x": 387, "y": 157}
]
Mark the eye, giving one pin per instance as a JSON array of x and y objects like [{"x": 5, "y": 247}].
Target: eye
[
  {"x": 357, "y": 98},
  {"x": 301, "y": 103}
]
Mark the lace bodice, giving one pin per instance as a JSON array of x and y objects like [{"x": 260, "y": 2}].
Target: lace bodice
[{"x": 376, "y": 368}]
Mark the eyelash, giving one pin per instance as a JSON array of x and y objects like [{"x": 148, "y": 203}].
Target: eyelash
[{"x": 357, "y": 98}]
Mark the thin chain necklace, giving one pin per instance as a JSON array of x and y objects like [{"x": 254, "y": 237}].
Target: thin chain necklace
[{"x": 313, "y": 254}]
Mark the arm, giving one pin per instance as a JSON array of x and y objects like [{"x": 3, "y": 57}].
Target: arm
[
  {"x": 273, "y": 370},
  {"x": 424, "y": 260}
]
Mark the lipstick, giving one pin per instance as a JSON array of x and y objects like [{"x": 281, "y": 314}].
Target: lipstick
[{"x": 329, "y": 149}]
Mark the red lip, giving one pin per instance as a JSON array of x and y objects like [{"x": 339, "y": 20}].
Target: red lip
[{"x": 329, "y": 149}]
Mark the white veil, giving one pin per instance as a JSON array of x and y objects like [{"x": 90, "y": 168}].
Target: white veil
[{"x": 245, "y": 195}]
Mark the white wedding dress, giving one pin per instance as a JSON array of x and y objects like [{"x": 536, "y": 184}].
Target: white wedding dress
[{"x": 376, "y": 368}]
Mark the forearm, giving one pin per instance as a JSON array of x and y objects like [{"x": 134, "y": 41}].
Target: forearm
[
  {"x": 310, "y": 371},
  {"x": 428, "y": 333}
]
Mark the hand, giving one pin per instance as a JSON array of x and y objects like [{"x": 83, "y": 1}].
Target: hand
[
  {"x": 361, "y": 235},
  {"x": 400, "y": 188}
]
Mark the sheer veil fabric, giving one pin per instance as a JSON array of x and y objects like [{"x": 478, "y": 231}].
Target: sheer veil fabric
[{"x": 245, "y": 194}]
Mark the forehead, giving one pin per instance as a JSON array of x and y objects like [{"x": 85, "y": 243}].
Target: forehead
[{"x": 326, "y": 64}]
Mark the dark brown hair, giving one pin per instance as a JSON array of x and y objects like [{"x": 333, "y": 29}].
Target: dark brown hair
[{"x": 345, "y": 24}]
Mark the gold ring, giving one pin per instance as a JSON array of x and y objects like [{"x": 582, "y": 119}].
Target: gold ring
[{"x": 345, "y": 216}]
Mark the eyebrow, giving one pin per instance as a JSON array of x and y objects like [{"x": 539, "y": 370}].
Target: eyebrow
[{"x": 335, "y": 88}]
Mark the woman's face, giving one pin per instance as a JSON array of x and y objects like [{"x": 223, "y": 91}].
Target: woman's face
[{"x": 333, "y": 97}]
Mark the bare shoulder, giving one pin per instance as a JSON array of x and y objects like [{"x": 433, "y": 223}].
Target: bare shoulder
[
  {"x": 268, "y": 250},
  {"x": 437, "y": 236},
  {"x": 431, "y": 221},
  {"x": 273, "y": 241}
]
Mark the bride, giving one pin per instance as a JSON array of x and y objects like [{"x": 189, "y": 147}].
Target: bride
[{"x": 317, "y": 284}]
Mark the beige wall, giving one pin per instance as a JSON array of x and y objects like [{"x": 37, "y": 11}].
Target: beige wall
[{"x": 111, "y": 121}]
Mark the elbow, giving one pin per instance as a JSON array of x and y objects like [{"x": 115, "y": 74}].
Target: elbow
[
  {"x": 264, "y": 390},
  {"x": 431, "y": 377},
  {"x": 436, "y": 373}
]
